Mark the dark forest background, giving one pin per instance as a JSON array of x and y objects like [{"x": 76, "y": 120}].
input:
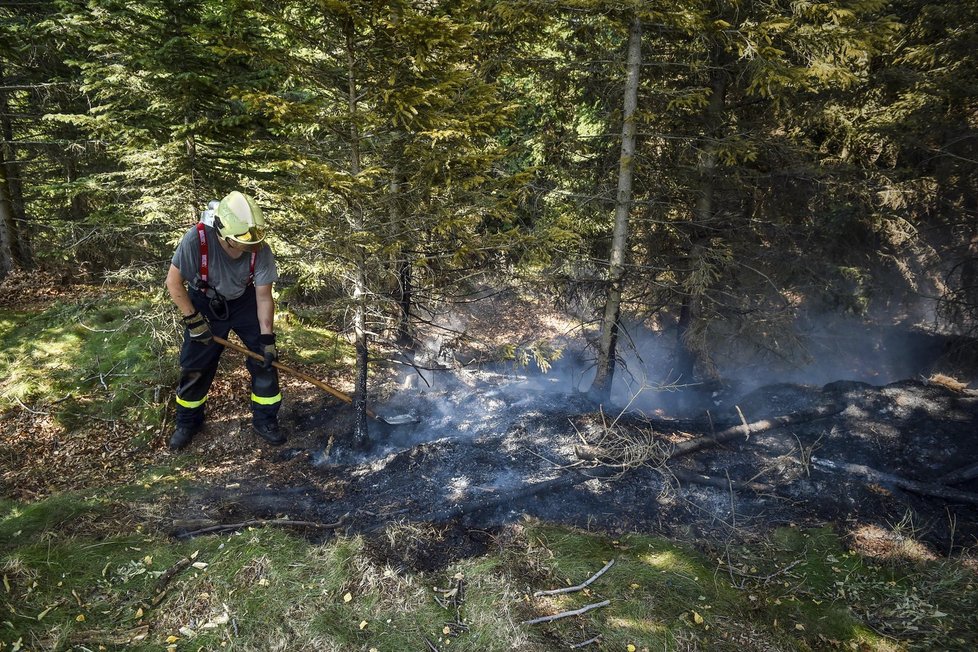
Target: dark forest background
[{"x": 715, "y": 171}]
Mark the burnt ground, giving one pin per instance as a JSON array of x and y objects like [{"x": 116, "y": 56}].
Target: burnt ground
[
  {"x": 492, "y": 446},
  {"x": 496, "y": 442}
]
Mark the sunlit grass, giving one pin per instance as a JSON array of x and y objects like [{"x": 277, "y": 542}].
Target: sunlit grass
[
  {"x": 116, "y": 359},
  {"x": 268, "y": 589}
]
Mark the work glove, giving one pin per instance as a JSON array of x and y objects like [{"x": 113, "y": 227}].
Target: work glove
[
  {"x": 200, "y": 330},
  {"x": 268, "y": 350}
]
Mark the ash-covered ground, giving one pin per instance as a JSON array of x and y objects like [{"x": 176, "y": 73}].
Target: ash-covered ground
[{"x": 491, "y": 445}]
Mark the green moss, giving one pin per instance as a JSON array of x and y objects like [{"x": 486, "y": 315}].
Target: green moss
[{"x": 99, "y": 359}]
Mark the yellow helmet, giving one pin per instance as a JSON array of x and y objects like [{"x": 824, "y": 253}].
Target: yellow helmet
[{"x": 239, "y": 218}]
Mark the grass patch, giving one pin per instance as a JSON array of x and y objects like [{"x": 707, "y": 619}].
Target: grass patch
[
  {"x": 26, "y": 522},
  {"x": 115, "y": 358},
  {"x": 101, "y": 358},
  {"x": 268, "y": 589},
  {"x": 310, "y": 343}
]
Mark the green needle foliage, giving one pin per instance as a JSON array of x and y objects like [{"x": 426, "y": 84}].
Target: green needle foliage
[{"x": 792, "y": 158}]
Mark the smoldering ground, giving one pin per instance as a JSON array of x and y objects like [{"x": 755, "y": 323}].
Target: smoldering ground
[{"x": 498, "y": 441}]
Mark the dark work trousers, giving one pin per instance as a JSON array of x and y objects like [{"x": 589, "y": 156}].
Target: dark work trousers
[{"x": 198, "y": 362}]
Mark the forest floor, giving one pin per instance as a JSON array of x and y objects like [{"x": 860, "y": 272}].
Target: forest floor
[
  {"x": 494, "y": 443},
  {"x": 484, "y": 437}
]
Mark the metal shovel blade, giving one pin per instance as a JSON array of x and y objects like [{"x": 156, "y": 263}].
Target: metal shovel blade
[{"x": 399, "y": 419}]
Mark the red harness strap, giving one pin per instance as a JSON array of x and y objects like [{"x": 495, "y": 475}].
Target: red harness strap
[
  {"x": 203, "y": 258},
  {"x": 203, "y": 254}
]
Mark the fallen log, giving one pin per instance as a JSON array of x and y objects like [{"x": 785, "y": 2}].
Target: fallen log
[
  {"x": 921, "y": 488},
  {"x": 748, "y": 429},
  {"x": 958, "y": 476}
]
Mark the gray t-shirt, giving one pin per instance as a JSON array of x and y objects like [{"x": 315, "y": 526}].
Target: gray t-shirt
[{"x": 227, "y": 275}]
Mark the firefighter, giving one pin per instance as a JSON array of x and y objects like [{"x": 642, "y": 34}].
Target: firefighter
[{"x": 220, "y": 279}]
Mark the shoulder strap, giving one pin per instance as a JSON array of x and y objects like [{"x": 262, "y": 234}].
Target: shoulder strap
[{"x": 202, "y": 234}]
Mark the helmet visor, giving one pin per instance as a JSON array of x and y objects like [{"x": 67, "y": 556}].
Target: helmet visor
[{"x": 253, "y": 235}]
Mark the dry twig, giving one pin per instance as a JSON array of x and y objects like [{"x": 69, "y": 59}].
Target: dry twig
[
  {"x": 571, "y": 589},
  {"x": 164, "y": 581},
  {"x": 591, "y": 640},
  {"x": 279, "y": 522},
  {"x": 568, "y": 614}
]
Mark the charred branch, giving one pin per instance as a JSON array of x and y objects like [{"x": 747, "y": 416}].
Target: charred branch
[
  {"x": 648, "y": 451},
  {"x": 474, "y": 506},
  {"x": 747, "y": 429},
  {"x": 958, "y": 476},
  {"x": 720, "y": 483},
  {"x": 921, "y": 488}
]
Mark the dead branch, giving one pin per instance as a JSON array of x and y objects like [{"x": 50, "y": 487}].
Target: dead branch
[
  {"x": 747, "y": 429},
  {"x": 743, "y": 420},
  {"x": 278, "y": 522},
  {"x": 625, "y": 452},
  {"x": 585, "y": 584},
  {"x": 568, "y": 614},
  {"x": 922, "y": 488},
  {"x": 480, "y": 504},
  {"x": 593, "y": 639},
  {"x": 164, "y": 581},
  {"x": 958, "y": 476},
  {"x": 765, "y": 580},
  {"x": 720, "y": 483},
  {"x": 123, "y": 637}
]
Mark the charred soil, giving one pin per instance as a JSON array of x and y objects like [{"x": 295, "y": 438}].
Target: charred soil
[{"x": 479, "y": 458}]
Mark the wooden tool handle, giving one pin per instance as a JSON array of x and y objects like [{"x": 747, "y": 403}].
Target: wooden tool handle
[{"x": 346, "y": 398}]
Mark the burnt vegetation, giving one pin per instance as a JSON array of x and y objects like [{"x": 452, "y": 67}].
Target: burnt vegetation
[{"x": 691, "y": 286}]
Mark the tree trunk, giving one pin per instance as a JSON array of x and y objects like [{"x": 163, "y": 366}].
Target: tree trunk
[
  {"x": 402, "y": 264},
  {"x": 685, "y": 358},
  {"x": 603, "y": 380},
  {"x": 405, "y": 280},
  {"x": 6, "y": 219},
  {"x": 14, "y": 215},
  {"x": 703, "y": 212},
  {"x": 196, "y": 197},
  {"x": 360, "y": 432},
  {"x": 77, "y": 207}
]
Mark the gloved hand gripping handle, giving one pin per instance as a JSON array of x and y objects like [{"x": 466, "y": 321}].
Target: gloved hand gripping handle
[{"x": 200, "y": 330}]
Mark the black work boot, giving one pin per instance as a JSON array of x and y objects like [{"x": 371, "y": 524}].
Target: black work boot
[
  {"x": 270, "y": 432},
  {"x": 181, "y": 437}
]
